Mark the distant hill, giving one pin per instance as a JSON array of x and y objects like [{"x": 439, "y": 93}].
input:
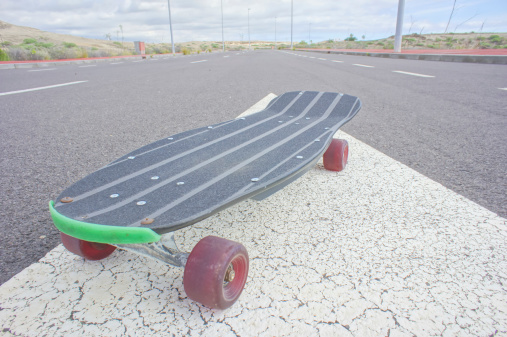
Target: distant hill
[{"x": 17, "y": 34}]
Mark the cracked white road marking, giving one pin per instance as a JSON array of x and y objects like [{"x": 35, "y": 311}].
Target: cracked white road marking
[
  {"x": 412, "y": 74},
  {"x": 375, "y": 250}
]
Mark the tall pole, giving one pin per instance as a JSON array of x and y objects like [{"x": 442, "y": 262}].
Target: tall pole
[
  {"x": 223, "y": 41},
  {"x": 291, "y": 15},
  {"x": 170, "y": 23},
  {"x": 275, "y": 32},
  {"x": 248, "y": 28},
  {"x": 309, "y": 37},
  {"x": 399, "y": 27}
]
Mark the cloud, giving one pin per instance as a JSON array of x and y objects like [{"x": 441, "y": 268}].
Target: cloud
[{"x": 201, "y": 19}]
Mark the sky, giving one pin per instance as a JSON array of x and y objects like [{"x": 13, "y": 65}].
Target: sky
[{"x": 201, "y": 20}]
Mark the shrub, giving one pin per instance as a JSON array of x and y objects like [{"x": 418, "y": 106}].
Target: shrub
[
  {"x": 69, "y": 44},
  {"x": 18, "y": 54},
  {"x": 6, "y": 44},
  {"x": 3, "y": 56},
  {"x": 29, "y": 41},
  {"x": 494, "y": 38},
  {"x": 186, "y": 51},
  {"x": 215, "y": 46},
  {"x": 44, "y": 44}
]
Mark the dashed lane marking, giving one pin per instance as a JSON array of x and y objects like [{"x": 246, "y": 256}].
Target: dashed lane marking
[
  {"x": 90, "y": 65},
  {"x": 336, "y": 61},
  {"x": 363, "y": 65},
  {"x": 199, "y": 61},
  {"x": 411, "y": 74},
  {"x": 42, "y": 69},
  {"x": 116, "y": 63},
  {"x": 502, "y": 88},
  {"x": 39, "y": 88}
]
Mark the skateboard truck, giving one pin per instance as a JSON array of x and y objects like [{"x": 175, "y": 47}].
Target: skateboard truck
[{"x": 164, "y": 250}]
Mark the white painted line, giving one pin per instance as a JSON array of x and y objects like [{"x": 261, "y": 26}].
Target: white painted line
[
  {"x": 91, "y": 65},
  {"x": 42, "y": 69},
  {"x": 336, "y": 61},
  {"x": 226, "y": 56},
  {"x": 312, "y": 57},
  {"x": 411, "y": 74},
  {"x": 502, "y": 88},
  {"x": 363, "y": 65},
  {"x": 137, "y": 61},
  {"x": 322, "y": 59},
  {"x": 199, "y": 61},
  {"x": 116, "y": 63},
  {"x": 39, "y": 88}
]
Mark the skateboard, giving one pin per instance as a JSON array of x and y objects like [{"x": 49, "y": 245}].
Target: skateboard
[{"x": 137, "y": 202}]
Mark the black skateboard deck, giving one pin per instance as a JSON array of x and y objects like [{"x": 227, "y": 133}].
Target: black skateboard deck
[
  {"x": 180, "y": 180},
  {"x": 137, "y": 201}
]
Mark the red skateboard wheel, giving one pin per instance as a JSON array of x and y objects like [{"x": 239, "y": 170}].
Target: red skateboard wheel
[
  {"x": 216, "y": 272},
  {"x": 89, "y": 250},
  {"x": 336, "y": 155}
]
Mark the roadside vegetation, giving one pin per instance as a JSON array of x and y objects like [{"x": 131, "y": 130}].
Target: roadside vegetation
[
  {"x": 32, "y": 49},
  {"x": 41, "y": 49},
  {"x": 417, "y": 41}
]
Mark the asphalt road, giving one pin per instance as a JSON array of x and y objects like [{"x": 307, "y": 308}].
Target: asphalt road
[{"x": 450, "y": 127}]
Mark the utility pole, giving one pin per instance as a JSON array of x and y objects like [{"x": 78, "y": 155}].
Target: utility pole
[
  {"x": 170, "y": 23},
  {"x": 223, "y": 41},
  {"x": 399, "y": 27},
  {"x": 248, "y": 28},
  {"x": 291, "y": 15},
  {"x": 275, "y": 32}
]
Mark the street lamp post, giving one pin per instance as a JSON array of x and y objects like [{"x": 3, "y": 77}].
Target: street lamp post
[
  {"x": 399, "y": 27},
  {"x": 223, "y": 41},
  {"x": 291, "y": 15},
  {"x": 275, "y": 32},
  {"x": 170, "y": 23},
  {"x": 309, "y": 36},
  {"x": 248, "y": 28}
]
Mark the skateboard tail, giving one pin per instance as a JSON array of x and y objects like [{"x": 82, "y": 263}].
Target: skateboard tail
[{"x": 101, "y": 233}]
